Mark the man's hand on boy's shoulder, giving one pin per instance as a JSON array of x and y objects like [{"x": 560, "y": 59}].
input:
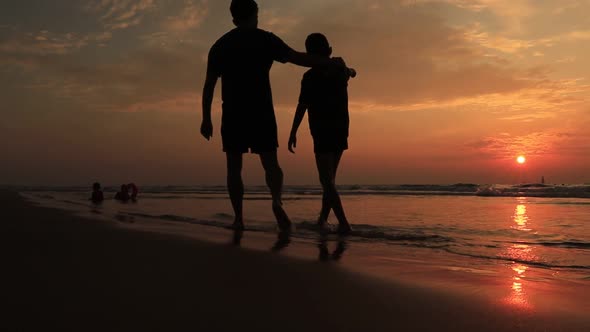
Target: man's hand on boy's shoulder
[{"x": 339, "y": 61}]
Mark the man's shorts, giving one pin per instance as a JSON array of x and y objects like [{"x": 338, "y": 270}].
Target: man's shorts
[{"x": 256, "y": 137}]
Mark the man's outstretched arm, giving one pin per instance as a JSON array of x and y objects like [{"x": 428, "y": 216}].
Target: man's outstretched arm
[
  {"x": 208, "y": 92},
  {"x": 309, "y": 60}
]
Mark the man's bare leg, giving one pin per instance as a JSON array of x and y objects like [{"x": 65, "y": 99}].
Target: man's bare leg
[
  {"x": 235, "y": 187},
  {"x": 274, "y": 181}
]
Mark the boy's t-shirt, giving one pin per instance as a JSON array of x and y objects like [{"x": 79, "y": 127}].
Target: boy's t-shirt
[{"x": 325, "y": 93}]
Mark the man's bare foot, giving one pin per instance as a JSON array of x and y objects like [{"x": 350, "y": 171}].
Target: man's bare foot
[{"x": 324, "y": 226}]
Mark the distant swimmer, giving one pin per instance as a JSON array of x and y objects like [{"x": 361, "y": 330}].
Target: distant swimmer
[
  {"x": 97, "y": 195},
  {"x": 134, "y": 191},
  {"x": 123, "y": 194}
]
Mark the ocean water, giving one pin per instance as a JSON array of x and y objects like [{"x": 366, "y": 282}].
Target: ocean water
[{"x": 452, "y": 224}]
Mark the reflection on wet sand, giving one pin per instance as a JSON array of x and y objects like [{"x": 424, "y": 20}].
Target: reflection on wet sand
[
  {"x": 237, "y": 237},
  {"x": 324, "y": 253},
  {"x": 518, "y": 296},
  {"x": 124, "y": 218},
  {"x": 283, "y": 241}
]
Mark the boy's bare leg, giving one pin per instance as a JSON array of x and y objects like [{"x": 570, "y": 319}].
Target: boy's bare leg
[
  {"x": 327, "y": 166},
  {"x": 235, "y": 187},
  {"x": 274, "y": 181},
  {"x": 325, "y": 211}
]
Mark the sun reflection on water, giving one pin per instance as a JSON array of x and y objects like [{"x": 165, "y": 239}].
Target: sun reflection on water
[
  {"x": 519, "y": 252},
  {"x": 520, "y": 216}
]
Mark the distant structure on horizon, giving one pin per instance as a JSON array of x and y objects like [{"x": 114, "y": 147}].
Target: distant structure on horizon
[{"x": 543, "y": 179}]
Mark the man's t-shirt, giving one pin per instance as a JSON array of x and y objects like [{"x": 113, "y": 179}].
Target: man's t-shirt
[
  {"x": 325, "y": 93},
  {"x": 243, "y": 59}
]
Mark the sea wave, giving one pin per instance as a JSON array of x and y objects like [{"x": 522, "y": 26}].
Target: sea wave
[
  {"x": 419, "y": 238},
  {"x": 461, "y": 189},
  {"x": 535, "y": 190},
  {"x": 308, "y": 229},
  {"x": 517, "y": 260},
  {"x": 573, "y": 244}
]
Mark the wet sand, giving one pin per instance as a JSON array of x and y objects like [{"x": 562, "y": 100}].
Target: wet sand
[{"x": 67, "y": 273}]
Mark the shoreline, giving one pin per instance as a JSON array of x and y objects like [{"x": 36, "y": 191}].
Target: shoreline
[{"x": 72, "y": 273}]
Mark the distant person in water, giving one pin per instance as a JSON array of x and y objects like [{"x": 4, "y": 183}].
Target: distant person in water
[
  {"x": 242, "y": 58},
  {"x": 324, "y": 96},
  {"x": 123, "y": 194},
  {"x": 134, "y": 191},
  {"x": 97, "y": 195}
]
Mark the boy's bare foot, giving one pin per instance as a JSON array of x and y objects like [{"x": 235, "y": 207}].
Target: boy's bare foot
[
  {"x": 238, "y": 225},
  {"x": 282, "y": 219},
  {"x": 344, "y": 229}
]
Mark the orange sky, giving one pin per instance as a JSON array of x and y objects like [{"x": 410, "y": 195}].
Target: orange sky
[{"x": 448, "y": 90}]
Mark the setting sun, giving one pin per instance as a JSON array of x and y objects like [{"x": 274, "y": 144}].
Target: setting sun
[{"x": 521, "y": 159}]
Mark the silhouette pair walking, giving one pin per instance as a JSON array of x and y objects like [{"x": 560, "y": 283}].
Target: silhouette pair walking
[{"x": 242, "y": 58}]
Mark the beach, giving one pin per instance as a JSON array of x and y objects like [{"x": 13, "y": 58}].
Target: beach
[{"x": 66, "y": 272}]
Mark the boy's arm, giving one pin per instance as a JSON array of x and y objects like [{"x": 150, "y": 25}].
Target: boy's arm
[{"x": 299, "y": 114}]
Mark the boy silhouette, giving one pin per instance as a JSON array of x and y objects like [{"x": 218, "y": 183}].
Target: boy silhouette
[
  {"x": 243, "y": 58},
  {"x": 324, "y": 95}
]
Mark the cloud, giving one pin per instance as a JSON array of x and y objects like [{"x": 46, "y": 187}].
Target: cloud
[
  {"x": 156, "y": 76},
  {"x": 273, "y": 20},
  {"x": 567, "y": 5},
  {"x": 32, "y": 49},
  {"x": 184, "y": 101},
  {"x": 121, "y": 14},
  {"x": 508, "y": 146},
  {"x": 191, "y": 17},
  {"x": 512, "y": 13},
  {"x": 476, "y": 34},
  {"x": 409, "y": 57},
  {"x": 44, "y": 42}
]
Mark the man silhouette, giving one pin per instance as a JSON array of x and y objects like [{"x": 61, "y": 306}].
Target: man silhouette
[{"x": 243, "y": 58}]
